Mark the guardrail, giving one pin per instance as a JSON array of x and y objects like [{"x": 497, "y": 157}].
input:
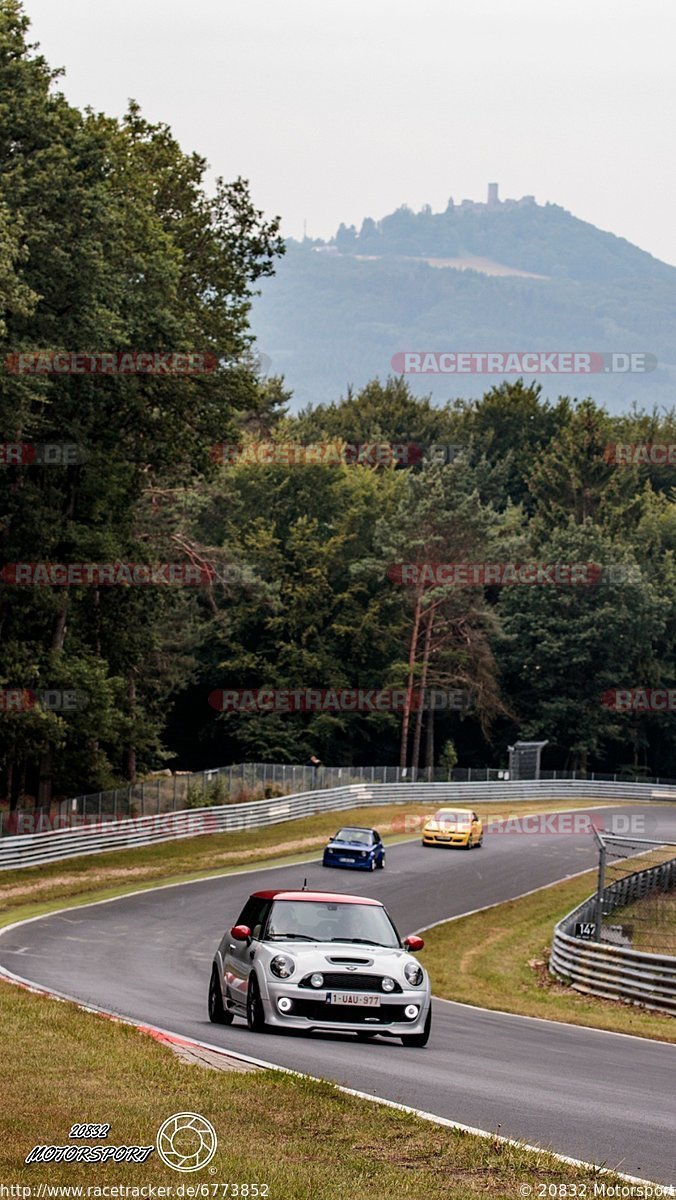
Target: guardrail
[
  {"x": 617, "y": 972},
  {"x": 38, "y": 848},
  {"x": 164, "y": 793}
]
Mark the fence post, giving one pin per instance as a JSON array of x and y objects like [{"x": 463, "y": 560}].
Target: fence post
[{"x": 598, "y": 915}]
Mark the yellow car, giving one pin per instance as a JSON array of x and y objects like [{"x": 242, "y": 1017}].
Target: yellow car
[{"x": 453, "y": 827}]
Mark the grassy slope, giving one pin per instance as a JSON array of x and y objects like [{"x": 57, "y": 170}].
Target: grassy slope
[
  {"x": 498, "y": 959},
  {"x": 306, "y": 1140}
]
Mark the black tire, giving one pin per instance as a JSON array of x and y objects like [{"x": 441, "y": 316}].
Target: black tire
[
  {"x": 381, "y": 863},
  {"x": 480, "y": 843},
  {"x": 372, "y": 865},
  {"x": 218, "y": 1013},
  {"x": 419, "y": 1039},
  {"x": 468, "y": 843},
  {"x": 365, "y": 1035},
  {"x": 255, "y": 1015}
]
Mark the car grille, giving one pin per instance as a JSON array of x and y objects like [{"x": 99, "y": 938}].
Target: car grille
[
  {"x": 317, "y": 1010},
  {"x": 345, "y": 981}
]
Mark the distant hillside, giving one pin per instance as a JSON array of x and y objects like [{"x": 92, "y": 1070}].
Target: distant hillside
[{"x": 337, "y": 311}]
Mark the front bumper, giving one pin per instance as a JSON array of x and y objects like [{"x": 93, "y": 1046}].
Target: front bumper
[
  {"x": 310, "y": 1010},
  {"x": 360, "y": 864},
  {"x": 441, "y": 839}
]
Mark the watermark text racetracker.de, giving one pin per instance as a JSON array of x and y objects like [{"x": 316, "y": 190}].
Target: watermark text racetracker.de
[
  {"x": 564, "y": 824},
  {"x": 518, "y": 362},
  {"x": 501, "y": 574},
  {"x": 48, "y": 699},
  {"x": 111, "y": 362},
  {"x": 334, "y": 453},
  {"x": 640, "y": 700},
  {"x": 41, "y": 454},
  {"x": 106, "y": 574},
  {"x": 314, "y": 699}
]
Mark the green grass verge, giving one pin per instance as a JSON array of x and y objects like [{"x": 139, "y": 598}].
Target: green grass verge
[
  {"x": 306, "y": 1140},
  {"x": 96, "y": 876},
  {"x": 498, "y": 959}
]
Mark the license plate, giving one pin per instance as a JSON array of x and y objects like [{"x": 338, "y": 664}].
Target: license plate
[
  {"x": 348, "y": 860},
  {"x": 354, "y": 998}
]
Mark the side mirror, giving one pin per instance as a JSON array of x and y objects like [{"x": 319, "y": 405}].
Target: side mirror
[
  {"x": 413, "y": 943},
  {"x": 241, "y": 933}
]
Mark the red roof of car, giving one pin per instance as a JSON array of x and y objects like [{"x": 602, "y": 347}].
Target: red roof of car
[{"x": 330, "y": 897}]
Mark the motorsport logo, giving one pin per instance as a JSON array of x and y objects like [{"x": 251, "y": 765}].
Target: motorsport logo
[
  {"x": 89, "y": 1154},
  {"x": 186, "y": 1142}
]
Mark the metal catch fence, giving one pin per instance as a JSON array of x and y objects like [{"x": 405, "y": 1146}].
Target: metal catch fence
[{"x": 621, "y": 942}]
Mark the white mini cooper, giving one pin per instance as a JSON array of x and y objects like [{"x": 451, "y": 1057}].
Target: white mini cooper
[{"x": 321, "y": 961}]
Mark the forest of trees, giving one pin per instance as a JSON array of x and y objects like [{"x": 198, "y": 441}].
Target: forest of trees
[{"x": 110, "y": 242}]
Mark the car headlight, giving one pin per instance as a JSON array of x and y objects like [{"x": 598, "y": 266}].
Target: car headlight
[
  {"x": 414, "y": 973},
  {"x": 388, "y": 984},
  {"x": 282, "y": 966},
  {"x": 317, "y": 979}
]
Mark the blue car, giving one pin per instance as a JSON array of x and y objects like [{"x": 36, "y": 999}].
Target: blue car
[{"x": 361, "y": 849}]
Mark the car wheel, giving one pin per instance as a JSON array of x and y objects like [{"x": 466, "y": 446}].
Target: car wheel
[
  {"x": 364, "y": 1035},
  {"x": 255, "y": 1013},
  {"x": 480, "y": 843},
  {"x": 381, "y": 862},
  {"x": 468, "y": 843},
  {"x": 419, "y": 1039},
  {"x": 218, "y": 1013},
  {"x": 372, "y": 865}
]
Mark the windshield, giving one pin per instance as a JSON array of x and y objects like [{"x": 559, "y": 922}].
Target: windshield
[
  {"x": 363, "y": 836},
  {"x": 452, "y": 820},
  {"x": 328, "y": 921}
]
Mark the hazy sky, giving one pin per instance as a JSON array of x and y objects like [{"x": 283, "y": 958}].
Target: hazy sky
[{"x": 339, "y": 110}]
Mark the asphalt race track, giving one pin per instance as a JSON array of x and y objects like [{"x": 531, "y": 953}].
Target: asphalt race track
[{"x": 601, "y": 1097}]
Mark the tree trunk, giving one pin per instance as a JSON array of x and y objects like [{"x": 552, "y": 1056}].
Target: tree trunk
[
  {"x": 11, "y": 802},
  {"x": 415, "y": 757},
  {"x": 46, "y": 768},
  {"x": 413, "y": 649},
  {"x": 429, "y": 743},
  {"x": 130, "y": 765},
  {"x": 44, "y": 798}
]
